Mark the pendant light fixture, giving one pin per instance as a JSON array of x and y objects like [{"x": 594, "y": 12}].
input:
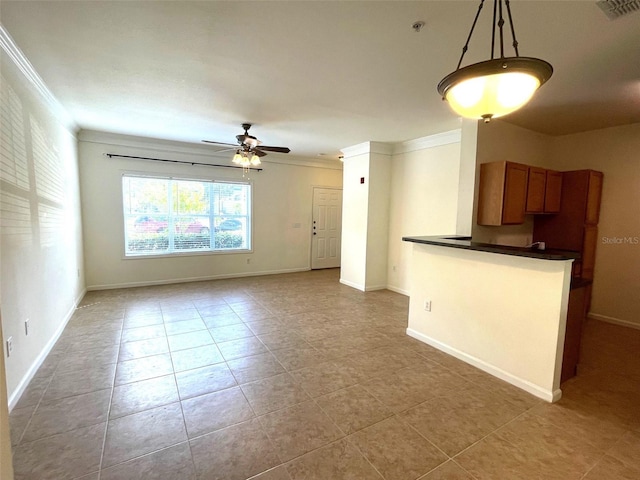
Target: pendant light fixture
[{"x": 498, "y": 86}]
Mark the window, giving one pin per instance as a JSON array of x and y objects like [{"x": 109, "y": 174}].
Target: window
[{"x": 168, "y": 216}]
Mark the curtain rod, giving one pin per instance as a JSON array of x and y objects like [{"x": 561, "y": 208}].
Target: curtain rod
[{"x": 111, "y": 155}]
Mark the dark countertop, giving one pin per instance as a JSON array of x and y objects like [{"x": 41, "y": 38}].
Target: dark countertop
[{"x": 467, "y": 244}]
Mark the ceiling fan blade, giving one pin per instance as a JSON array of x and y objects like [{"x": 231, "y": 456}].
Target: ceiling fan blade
[
  {"x": 275, "y": 149},
  {"x": 221, "y": 143},
  {"x": 258, "y": 152},
  {"x": 230, "y": 149}
]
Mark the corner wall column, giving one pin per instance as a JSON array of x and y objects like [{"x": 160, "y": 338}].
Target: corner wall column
[
  {"x": 365, "y": 215},
  {"x": 467, "y": 178}
]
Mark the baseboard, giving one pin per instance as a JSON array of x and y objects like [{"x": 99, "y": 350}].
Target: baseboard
[
  {"x": 357, "y": 286},
  {"x": 398, "y": 290},
  {"x": 615, "y": 321},
  {"x": 364, "y": 288},
  {"x": 33, "y": 369},
  {"x": 373, "y": 288},
  {"x": 536, "y": 390},
  {"x": 170, "y": 281}
]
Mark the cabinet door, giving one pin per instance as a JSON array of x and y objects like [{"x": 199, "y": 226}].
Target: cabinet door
[
  {"x": 553, "y": 192},
  {"x": 594, "y": 195},
  {"x": 573, "y": 334},
  {"x": 536, "y": 190},
  {"x": 515, "y": 193},
  {"x": 589, "y": 250},
  {"x": 491, "y": 193}
]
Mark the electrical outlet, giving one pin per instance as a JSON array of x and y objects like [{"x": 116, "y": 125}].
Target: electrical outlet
[
  {"x": 9, "y": 346},
  {"x": 395, "y": 268},
  {"x": 26, "y": 327},
  {"x": 248, "y": 261},
  {"x": 427, "y": 305}
]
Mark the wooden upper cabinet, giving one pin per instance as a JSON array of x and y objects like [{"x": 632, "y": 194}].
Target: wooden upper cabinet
[
  {"x": 502, "y": 193},
  {"x": 515, "y": 194},
  {"x": 536, "y": 186},
  {"x": 544, "y": 191},
  {"x": 553, "y": 192}
]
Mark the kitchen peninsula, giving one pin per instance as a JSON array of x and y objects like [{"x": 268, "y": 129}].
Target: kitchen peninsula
[{"x": 502, "y": 309}]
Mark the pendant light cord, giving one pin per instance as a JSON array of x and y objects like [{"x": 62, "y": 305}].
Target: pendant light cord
[
  {"x": 500, "y": 25},
  {"x": 466, "y": 45},
  {"x": 498, "y": 20},
  {"x": 477, "y": 90},
  {"x": 513, "y": 32},
  {"x": 493, "y": 27}
]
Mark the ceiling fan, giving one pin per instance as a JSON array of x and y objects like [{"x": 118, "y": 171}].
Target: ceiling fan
[{"x": 249, "y": 148}]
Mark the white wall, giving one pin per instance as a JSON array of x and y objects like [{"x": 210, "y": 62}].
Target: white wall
[
  {"x": 616, "y": 153},
  {"x": 365, "y": 215},
  {"x": 467, "y": 177},
  {"x": 501, "y": 313},
  {"x": 355, "y": 213},
  {"x": 41, "y": 242},
  {"x": 379, "y": 180},
  {"x": 282, "y": 197},
  {"x": 425, "y": 178},
  {"x": 411, "y": 189}
]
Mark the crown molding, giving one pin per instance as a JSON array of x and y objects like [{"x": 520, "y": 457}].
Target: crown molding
[
  {"x": 367, "y": 147},
  {"x": 24, "y": 65},
  {"x": 148, "y": 143},
  {"x": 161, "y": 146},
  {"x": 436, "y": 140},
  {"x": 328, "y": 163}
]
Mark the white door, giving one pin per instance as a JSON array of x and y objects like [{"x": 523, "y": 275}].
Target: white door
[{"x": 326, "y": 228}]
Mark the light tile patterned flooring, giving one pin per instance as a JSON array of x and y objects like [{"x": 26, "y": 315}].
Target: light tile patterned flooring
[{"x": 295, "y": 376}]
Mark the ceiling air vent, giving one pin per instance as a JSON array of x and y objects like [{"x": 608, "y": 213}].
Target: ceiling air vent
[{"x": 618, "y": 8}]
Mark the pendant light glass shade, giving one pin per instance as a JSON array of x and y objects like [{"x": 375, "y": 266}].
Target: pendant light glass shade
[
  {"x": 246, "y": 159},
  {"x": 498, "y": 86},
  {"x": 494, "y": 88}
]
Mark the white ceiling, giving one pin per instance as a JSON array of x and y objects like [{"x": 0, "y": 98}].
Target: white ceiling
[{"x": 314, "y": 76}]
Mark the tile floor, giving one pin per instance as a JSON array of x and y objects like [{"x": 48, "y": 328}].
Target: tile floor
[{"x": 295, "y": 376}]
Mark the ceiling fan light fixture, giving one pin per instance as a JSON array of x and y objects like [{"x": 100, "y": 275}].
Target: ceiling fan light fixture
[
  {"x": 247, "y": 153},
  {"x": 498, "y": 86}
]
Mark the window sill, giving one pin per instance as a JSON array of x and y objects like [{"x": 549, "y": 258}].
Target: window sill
[{"x": 186, "y": 254}]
